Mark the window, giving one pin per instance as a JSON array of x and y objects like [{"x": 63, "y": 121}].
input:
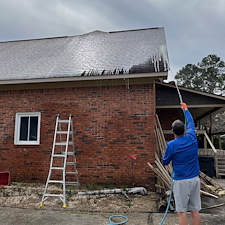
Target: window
[{"x": 27, "y": 128}]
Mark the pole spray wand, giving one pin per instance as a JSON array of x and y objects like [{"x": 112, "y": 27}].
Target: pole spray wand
[{"x": 178, "y": 91}]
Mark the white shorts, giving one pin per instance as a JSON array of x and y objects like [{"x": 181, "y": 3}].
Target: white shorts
[{"x": 187, "y": 194}]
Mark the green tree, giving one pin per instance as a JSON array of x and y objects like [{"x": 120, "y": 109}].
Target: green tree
[{"x": 208, "y": 75}]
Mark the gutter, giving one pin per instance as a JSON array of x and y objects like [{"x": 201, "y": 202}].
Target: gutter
[{"x": 85, "y": 78}]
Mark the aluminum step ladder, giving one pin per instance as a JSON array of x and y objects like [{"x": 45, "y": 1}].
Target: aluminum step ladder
[{"x": 62, "y": 170}]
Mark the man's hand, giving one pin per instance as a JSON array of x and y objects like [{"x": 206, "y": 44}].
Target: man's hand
[{"x": 184, "y": 106}]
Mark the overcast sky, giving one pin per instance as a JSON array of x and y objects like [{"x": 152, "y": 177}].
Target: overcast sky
[{"x": 194, "y": 28}]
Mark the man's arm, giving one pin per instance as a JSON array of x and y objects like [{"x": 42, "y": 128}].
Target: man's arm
[
  {"x": 189, "y": 119},
  {"x": 167, "y": 156}
]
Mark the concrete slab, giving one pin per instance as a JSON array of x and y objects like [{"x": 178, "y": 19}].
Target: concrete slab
[{"x": 17, "y": 216}]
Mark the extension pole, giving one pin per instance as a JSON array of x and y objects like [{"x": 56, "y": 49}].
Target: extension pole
[
  {"x": 181, "y": 101},
  {"x": 178, "y": 91}
]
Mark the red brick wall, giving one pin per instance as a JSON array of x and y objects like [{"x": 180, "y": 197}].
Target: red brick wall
[{"x": 110, "y": 124}]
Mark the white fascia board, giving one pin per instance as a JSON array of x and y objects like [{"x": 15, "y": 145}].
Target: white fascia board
[{"x": 85, "y": 78}]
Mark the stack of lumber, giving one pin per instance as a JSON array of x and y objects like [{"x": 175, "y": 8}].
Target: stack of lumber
[
  {"x": 208, "y": 185},
  {"x": 163, "y": 183},
  {"x": 164, "y": 173}
]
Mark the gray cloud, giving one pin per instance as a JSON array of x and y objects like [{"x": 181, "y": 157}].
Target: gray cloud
[{"x": 194, "y": 28}]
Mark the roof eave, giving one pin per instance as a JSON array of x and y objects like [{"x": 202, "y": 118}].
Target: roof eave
[
  {"x": 162, "y": 75},
  {"x": 192, "y": 90}
]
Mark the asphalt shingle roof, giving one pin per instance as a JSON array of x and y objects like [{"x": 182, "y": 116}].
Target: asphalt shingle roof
[{"x": 95, "y": 53}]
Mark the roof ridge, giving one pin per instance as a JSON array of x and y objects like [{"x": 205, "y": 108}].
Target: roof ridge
[
  {"x": 153, "y": 28},
  {"x": 95, "y": 31},
  {"x": 35, "y": 39}
]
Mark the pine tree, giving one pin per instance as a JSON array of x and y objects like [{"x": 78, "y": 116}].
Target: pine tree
[{"x": 207, "y": 76}]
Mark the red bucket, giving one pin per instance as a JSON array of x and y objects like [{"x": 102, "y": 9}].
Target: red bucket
[{"x": 4, "y": 178}]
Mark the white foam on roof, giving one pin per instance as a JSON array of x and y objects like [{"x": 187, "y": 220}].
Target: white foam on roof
[{"x": 95, "y": 53}]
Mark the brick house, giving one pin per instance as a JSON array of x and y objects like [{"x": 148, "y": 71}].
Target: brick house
[
  {"x": 111, "y": 84},
  {"x": 106, "y": 80}
]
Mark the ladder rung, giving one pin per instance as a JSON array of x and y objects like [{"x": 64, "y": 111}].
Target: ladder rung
[
  {"x": 58, "y": 155},
  {"x": 70, "y": 153},
  {"x": 63, "y": 121},
  {"x": 64, "y": 132},
  {"x": 57, "y": 168},
  {"x": 55, "y": 181},
  {"x": 64, "y": 143},
  {"x": 71, "y": 183},
  {"x": 70, "y": 163},
  {"x": 53, "y": 195}
]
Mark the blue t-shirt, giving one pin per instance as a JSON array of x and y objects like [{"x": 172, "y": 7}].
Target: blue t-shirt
[{"x": 183, "y": 152}]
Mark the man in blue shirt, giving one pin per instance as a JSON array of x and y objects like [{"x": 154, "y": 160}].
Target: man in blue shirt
[{"x": 183, "y": 152}]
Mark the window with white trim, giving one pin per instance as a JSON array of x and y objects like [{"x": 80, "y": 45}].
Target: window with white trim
[{"x": 27, "y": 128}]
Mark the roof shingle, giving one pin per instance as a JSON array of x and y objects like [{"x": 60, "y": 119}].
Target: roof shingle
[{"x": 95, "y": 53}]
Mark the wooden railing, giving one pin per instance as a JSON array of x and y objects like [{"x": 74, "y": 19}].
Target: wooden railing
[{"x": 207, "y": 140}]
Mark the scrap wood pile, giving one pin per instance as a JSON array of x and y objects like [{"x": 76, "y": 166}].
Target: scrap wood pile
[
  {"x": 208, "y": 186},
  {"x": 163, "y": 174}
]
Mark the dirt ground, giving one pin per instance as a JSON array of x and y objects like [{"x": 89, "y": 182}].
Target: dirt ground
[{"x": 29, "y": 196}]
